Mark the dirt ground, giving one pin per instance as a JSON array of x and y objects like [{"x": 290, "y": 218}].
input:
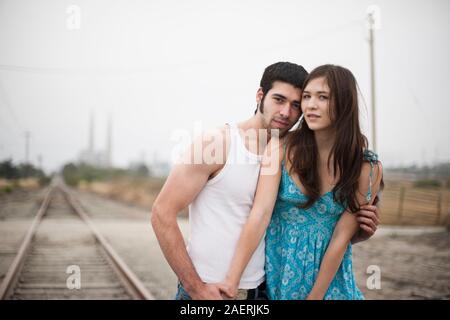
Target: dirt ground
[{"x": 412, "y": 263}]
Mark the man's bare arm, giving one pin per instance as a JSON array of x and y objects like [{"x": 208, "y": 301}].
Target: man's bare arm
[{"x": 180, "y": 189}]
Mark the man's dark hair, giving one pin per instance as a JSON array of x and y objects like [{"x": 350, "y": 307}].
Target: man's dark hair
[{"x": 288, "y": 72}]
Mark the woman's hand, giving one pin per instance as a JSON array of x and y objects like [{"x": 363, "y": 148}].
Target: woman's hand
[
  {"x": 227, "y": 289},
  {"x": 314, "y": 296},
  {"x": 207, "y": 292}
]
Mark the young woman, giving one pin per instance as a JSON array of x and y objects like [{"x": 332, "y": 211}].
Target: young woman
[{"x": 325, "y": 174}]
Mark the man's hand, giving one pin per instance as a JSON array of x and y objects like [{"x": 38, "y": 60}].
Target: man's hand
[
  {"x": 369, "y": 218},
  {"x": 227, "y": 290},
  {"x": 207, "y": 292}
]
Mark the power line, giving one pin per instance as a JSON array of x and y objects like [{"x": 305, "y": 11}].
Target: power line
[
  {"x": 117, "y": 71},
  {"x": 77, "y": 70},
  {"x": 5, "y": 102}
]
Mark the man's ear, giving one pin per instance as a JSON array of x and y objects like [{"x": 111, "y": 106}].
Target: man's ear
[{"x": 259, "y": 95}]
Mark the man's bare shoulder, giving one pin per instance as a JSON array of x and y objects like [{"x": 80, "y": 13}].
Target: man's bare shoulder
[
  {"x": 216, "y": 145},
  {"x": 218, "y": 136},
  {"x": 220, "y": 133},
  {"x": 208, "y": 149}
]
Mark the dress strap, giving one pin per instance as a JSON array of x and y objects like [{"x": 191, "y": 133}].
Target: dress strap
[{"x": 372, "y": 158}]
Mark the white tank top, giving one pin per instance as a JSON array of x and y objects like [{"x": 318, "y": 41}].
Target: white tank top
[{"x": 218, "y": 214}]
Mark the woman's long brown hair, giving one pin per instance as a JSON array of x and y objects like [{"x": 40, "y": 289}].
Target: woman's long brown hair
[{"x": 349, "y": 145}]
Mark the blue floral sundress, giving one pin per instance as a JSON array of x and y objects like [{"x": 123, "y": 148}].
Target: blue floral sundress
[{"x": 296, "y": 242}]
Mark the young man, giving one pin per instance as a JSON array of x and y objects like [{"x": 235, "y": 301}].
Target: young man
[{"x": 220, "y": 193}]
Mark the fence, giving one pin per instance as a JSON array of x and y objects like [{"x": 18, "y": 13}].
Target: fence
[{"x": 404, "y": 204}]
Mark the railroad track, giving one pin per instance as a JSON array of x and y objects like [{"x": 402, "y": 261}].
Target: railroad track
[{"x": 64, "y": 256}]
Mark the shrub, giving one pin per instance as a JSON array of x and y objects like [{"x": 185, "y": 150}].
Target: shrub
[{"x": 6, "y": 189}]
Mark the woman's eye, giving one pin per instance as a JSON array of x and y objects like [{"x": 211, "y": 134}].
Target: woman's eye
[
  {"x": 306, "y": 96},
  {"x": 323, "y": 97}
]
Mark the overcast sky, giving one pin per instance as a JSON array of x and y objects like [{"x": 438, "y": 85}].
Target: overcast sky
[{"x": 163, "y": 65}]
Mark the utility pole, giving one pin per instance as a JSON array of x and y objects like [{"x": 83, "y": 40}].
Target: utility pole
[
  {"x": 91, "y": 135},
  {"x": 374, "y": 22},
  {"x": 39, "y": 159},
  {"x": 109, "y": 142},
  {"x": 27, "y": 147},
  {"x": 372, "y": 81}
]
